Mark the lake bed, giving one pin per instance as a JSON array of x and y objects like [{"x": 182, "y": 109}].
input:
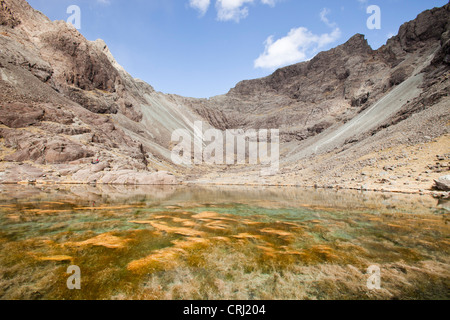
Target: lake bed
[{"x": 192, "y": 242}]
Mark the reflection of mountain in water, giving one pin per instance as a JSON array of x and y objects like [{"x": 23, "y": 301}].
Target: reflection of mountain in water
[{"x": 272, "y": 197}]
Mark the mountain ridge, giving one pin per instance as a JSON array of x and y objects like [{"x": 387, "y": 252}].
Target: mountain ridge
[{"x": 76, "y": 103}]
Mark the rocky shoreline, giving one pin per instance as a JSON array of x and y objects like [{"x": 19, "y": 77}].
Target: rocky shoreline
[
  {"x": 28, "y": 174},
  {"x": 132, "y": 178}
]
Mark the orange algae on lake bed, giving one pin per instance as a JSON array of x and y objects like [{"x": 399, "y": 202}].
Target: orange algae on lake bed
[
  {"x": 104, "y": 240},
  {"x": 178, "y": 230}
]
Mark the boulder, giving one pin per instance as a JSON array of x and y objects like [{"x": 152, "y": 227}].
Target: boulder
[
  {"x": 158, "y": 178},
  {"x": 99, "y": 167},
  {"x": 65, "y": 151},
  {"x": 443, "y": 183}
]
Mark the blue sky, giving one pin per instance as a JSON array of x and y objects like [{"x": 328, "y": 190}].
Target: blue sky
[{"x": 202, "y": 48}]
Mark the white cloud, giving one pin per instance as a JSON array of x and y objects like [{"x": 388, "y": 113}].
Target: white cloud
[
  {"x": 363, "y": 3},
  {"x": 323, "y": 16},
  {"x": 299, "y": 45},
  {"x": 270, "y": 2},
  {"x": 200, "y": 5},
  {"x": 227, "y": 10},
  {"x": 104, "y": 1},
  {"x": 232, "y": 9}
]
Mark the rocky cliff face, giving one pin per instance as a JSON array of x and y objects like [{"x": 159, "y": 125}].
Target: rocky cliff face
[
  {"x": 65, "y": 101},
  {"x": 307, "y": 98},
  {"x": 353, "y": 116}
]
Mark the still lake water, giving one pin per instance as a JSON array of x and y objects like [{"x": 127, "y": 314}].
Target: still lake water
[{"x": 221, "y": 243}]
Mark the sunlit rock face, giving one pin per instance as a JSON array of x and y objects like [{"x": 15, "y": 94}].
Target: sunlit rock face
[
  {"x": 66, "y": 101},
  {"x": 220, "y": 243}
]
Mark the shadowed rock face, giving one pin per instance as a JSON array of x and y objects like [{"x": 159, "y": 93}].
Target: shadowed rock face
[{"x": 65, "y": 100}]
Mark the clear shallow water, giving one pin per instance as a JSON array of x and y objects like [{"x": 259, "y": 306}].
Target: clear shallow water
[{"x": 220, "y": 243}]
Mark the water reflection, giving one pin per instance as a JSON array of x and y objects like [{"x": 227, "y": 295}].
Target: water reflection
[{"x": 160, "y": 242}]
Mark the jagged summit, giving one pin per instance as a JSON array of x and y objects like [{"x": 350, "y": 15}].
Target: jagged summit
[{"x": 357, "y": 43}]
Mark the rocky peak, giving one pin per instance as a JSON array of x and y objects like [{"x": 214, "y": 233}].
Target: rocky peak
[
  {"x": 331, "y": 61},
  {"x": 428, "y": 26},
  {"x": 85, "y": 71},
  {"x": 357, "y": 44},
  {"x": 338, "y": 83}
]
